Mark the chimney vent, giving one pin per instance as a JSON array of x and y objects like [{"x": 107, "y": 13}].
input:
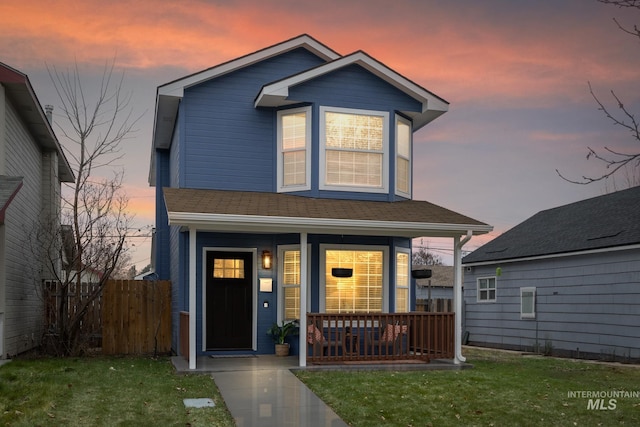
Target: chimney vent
[{"x": 48, "y": 110}]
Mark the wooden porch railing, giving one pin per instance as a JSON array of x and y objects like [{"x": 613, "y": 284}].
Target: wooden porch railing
[{"x": 362, "y": 337}]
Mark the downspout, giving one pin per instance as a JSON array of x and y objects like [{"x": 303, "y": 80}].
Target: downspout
[{"x": 457, "y": 294}]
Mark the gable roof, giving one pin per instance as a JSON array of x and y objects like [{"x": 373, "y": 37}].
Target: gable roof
[
  {"x": 169, "y": 95},
  {"x": 221, "y": 210},
  {"x": 21, "y": 93},
  {"x": 441, "y": 275},
  {"x": 608, "y": 221},
  {"x": 276, "y": 94}
]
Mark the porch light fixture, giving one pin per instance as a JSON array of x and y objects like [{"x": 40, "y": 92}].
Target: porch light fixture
[
  {"x": 421, "y": 274},
  {"x": 342, "y": 272},
  {"x": 266, "y": 260}
]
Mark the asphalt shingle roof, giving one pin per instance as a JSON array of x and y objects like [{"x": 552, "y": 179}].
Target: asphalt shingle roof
[
  {"x": 249, "y": 203},
  {"x": 606, "y": 221}
]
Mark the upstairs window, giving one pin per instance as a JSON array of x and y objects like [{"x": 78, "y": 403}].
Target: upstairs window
[
  {"x": 403, "y": 157},
  {"x": 353, "y": 152},
  {"x": 294, "y": 153}
]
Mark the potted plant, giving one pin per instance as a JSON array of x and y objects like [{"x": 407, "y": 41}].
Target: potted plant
[{"x": 279, "y": 332}]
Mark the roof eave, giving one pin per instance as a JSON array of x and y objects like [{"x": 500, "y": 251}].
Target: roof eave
[
  {"x": 552, "y": 256},
  {"x": 276, "y": 94},
  {"x": 275, "y": 224},
  {"x": 19, "y": 89}
]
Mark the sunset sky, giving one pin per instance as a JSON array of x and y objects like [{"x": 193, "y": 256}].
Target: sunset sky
[{"x": 515, "y": 72}]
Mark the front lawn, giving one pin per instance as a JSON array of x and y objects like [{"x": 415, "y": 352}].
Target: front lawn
[
  {"x": 503, "y": 389},
  {"x": 103, "y": 391}
]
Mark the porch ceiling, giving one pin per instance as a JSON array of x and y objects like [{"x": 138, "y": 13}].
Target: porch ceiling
[{"x": 244, "y": 211}]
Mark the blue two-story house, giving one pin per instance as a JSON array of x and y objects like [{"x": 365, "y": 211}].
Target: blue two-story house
[{"x": 273, "y": 171}]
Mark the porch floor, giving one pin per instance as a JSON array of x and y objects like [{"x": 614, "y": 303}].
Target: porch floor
[{"x": 263, "y": 391}]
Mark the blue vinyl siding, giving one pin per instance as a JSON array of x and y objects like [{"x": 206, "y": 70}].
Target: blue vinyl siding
[
  {"x": 229, "y": 144},
  {"x": 162, "y": 264},
  {"x": 354, "y": 87},
  {"x": 265, "y": 316},
  {"x": 585, "y": 304}
]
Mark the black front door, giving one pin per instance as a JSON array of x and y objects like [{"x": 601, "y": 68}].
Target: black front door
[{"x": 229, "y": 300}]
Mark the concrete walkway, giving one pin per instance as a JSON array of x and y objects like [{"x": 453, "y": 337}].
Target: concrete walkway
[{"x": 262, "y": 391}]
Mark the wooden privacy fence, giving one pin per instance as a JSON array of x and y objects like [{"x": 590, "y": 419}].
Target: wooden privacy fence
[
  {"x": 435, "y": 305},
  {"x": 129, "y": 317},
  {"x": 77, "y": 295},
  {"x": 136, "y": 317}
]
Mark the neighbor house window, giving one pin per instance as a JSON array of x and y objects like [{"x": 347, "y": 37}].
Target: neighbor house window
[
  {"x": 528, "y": 303},
  {"x": 487, "y": 289},
  {"x": 294, "y": 139},
  {"x": 360, "y": 293},
  {"x": 403, "y": 157},
  {"x": 402, "y": 281},
  {"x": 353, "y": 149}
]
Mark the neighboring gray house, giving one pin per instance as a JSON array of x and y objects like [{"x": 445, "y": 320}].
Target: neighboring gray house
[
  {"x": 566, "y": 282},
  {"x": 438, "y": 288},
  {"x": 32, "y": 167}
]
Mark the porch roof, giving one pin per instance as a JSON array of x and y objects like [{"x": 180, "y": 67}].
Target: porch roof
[{"x": 220, "y": 210}]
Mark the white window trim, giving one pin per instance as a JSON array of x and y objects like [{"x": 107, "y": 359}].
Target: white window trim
[
  {"x": 280, "y": 259},
  {"x": 308, "y": 132},
  {"x": 385, "y": 270},
  {"x": 409, "y": 178},
  {"x": 495, "y": 281},
  {"x": 531, "y": 315},
  {"x": 385, "y": 151},
  {"x": 408, "y": 252}
]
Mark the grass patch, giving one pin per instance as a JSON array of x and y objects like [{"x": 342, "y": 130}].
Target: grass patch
[
  {"x": 503, "y": 389},
  {"x": 101, "y": 391}
]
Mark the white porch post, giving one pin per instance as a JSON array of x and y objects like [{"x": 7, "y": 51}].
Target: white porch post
[
  {"x": 303, "y": 299},
  {"x": 457, "y": 295},
  {"x": 192, "y": 298}
]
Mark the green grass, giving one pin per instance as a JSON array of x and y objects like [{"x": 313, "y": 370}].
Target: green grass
[
  {"x": 105, "y": 391},
  {"x": 502, "y": 389}
]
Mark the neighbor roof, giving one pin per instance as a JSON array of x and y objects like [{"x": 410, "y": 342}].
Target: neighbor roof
[
  {"x": 441, "y": 275},
  {"x": 608, "y": 221},
  {"x": 285, "y": 213},
  {"x": 26, "y": 103}
]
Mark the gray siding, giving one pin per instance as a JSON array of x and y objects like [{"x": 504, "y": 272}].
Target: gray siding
[
  {"x": 23, "y": 305},
  {"x": 586, "y": 305}
]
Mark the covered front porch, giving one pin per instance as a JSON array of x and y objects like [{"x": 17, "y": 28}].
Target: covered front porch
[{"x": 371, "y": 337}]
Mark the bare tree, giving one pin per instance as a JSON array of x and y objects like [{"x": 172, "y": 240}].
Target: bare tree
[
  {"x": 615, "y": 160},
  {"x": 424, "y": 257},
  {"x": 91, "y": 243}
]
